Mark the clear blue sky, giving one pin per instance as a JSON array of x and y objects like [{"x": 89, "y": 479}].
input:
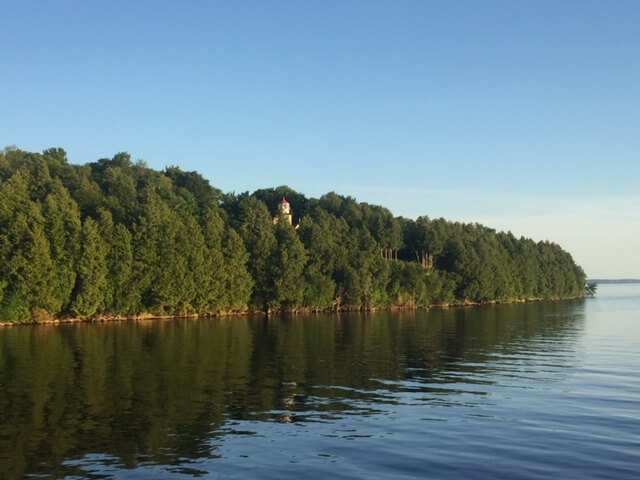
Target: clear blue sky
[{"x": 524, "y": 116}]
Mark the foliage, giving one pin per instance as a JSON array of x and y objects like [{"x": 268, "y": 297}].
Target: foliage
[{"x": 116, "y": 237}]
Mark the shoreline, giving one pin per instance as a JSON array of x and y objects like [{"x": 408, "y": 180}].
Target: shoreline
[{"x": 109, "y": 318}]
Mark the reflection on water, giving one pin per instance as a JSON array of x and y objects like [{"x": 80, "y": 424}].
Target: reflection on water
[{"x": 197, "y": 397}]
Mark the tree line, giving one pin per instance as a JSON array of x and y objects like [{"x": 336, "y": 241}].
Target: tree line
[{"x": 115, "y": 237}]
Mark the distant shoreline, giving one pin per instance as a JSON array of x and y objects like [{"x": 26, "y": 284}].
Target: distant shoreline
[{"x": 614, "y": 280}]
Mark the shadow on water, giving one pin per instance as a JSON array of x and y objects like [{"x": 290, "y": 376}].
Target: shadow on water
[{"x": 166, "y": 392}]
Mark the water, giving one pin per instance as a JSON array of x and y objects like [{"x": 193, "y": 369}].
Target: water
[{"x": 542, "y": 390}]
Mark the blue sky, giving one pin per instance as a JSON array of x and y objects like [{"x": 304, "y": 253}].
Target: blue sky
[{"x": 524, "y": 116}]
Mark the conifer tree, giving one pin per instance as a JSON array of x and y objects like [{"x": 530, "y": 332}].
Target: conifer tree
[
  {"x": 159, "y": 263},
  {"x": 125, "y": 299},
  {"x": 91, "y": 281},
  {"x": 26, "y": 271},
  {"x": 319, "y": 240},
  {"x": 196, "y": 290},
  {"x": 238, "y": 284},
  {"x": 63, "y": 229},
  {"x": 259, "y": 238},
  {"x": 214, "y": 279},
  {"x": 289, "y": 260}
]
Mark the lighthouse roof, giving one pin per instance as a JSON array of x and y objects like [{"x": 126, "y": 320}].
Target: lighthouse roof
[{"x": 284, "y": 201}]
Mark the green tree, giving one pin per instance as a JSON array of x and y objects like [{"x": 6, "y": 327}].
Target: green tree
[
  {"x": 213, "y": 291},
  {"x": 160, "y": 265},
  {"x": 319, "y": 241},
  {"x": 196, "y": 293},
  {"x": 27, "y": 271},
  {"x": 238, "y": 283},
  {"x": 204, "y": 195},
  {"x": 63, "y": 230},
  {"x": 91, "y": 280},
  {"x": 288, "y": 267},
  {"x": 125, "y": 300},
  {"x": 258, "y": 234},
  {"x": 325, "y": 238}
]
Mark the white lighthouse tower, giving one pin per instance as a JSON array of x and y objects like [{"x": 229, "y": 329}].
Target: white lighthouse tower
[{"x": 284, "y": 211}]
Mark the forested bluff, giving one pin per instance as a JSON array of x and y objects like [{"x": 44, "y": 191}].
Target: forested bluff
[{"x": 116, "y": 239}]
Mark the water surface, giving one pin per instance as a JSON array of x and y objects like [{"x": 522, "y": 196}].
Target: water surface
[{"x": 539, "y": 390}]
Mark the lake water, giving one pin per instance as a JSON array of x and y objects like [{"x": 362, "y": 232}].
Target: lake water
[{"x": 539, "y": 390}]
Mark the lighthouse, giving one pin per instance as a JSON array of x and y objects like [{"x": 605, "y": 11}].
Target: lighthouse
[{"x": 284, "y": 211}]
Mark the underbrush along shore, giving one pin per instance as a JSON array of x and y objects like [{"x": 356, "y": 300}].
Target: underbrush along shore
[{"x": 45, "y": 319}]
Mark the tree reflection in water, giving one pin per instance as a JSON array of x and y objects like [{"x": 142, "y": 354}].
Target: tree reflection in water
[{"x": 163, "y": 392}]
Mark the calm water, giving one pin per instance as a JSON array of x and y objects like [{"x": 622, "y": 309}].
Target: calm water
[{"x": 545, "y": 390}]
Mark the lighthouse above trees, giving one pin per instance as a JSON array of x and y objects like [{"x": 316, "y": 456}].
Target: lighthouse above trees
[{"x": 284, "y": 211}]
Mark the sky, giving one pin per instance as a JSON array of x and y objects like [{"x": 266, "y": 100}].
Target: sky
[{"x": 523, "y": 116}]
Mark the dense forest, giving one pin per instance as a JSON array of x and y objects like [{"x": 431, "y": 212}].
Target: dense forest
[{"x": 115, "y": 237}]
